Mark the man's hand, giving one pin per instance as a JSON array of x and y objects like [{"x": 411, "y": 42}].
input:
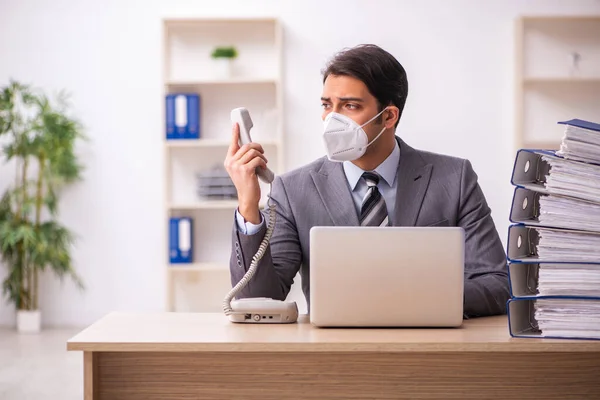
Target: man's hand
[{"x": 241, "y": 164}]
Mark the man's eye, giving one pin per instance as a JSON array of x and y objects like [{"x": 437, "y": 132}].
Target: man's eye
[
  {"x": 352, "y": 106},
  {"x": 324, "y": 105}
]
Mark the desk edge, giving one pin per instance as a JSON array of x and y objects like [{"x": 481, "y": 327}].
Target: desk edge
[{"x": 522, "y": 345}]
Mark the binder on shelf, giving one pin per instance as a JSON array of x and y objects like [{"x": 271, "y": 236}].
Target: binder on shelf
[
  {"x": 526, "y": 318},
  {"x": 183, "y": 116},
  {"x": 181, "y": 239}
]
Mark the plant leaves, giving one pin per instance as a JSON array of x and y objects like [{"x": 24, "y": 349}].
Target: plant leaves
[{"x": 42, "y": 134}]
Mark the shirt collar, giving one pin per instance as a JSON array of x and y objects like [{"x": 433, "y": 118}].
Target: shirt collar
[{"x": 387, "y": 169}]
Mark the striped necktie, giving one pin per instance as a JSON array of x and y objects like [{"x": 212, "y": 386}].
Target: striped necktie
[{"x": 373, "y": 211}]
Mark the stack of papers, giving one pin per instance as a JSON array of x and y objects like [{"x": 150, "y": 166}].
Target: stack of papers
[
  {"x": 568, "y": 246},
  {"x": 215, "y": 184},
  {"x": 581, "y": 141},
  {"x": 569, "y": 280},
  {"x": 575, "y": 318},
  {"x": 577, "y": 312},
  {"x": 571, "y": 213},
  {"x": 574, "y": 179}
]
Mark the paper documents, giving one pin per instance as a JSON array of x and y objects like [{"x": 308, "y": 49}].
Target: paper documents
[
  {"x": 554, "y": 247},
  {"x": 568, "y": 317},
  {"x": 568, "y": 246},
  {"x": 581, "y": 141},
  {"x": 569, "y": 280},
  {"x": 567, "y": 212},
  {"x": 573, "y": 179}
]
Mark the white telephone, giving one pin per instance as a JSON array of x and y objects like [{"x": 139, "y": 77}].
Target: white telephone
[{"x": 260, "y": 309}]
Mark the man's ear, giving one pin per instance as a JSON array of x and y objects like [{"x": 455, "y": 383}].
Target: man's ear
[{"x": 390, "y": 116}]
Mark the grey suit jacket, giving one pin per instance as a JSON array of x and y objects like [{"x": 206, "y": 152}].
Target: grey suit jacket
[{"x": 433, "y": 190}]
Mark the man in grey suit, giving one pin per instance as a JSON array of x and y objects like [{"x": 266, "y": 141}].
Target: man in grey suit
[{"x": 369, "y": 177}]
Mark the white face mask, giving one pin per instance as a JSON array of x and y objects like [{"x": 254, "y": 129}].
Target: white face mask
[{"x": 344, "y": 139}]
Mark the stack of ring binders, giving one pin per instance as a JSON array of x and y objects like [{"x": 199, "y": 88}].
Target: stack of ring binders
[{"x": 553, "y": 247}]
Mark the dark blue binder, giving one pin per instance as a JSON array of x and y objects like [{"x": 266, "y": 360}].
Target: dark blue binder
[
  {"x": 182, "y": 116},
  {"x": 523, "y": 277},
  {"x": 582, "y": 124},
  {"x": 522, "y": 322},
  {"x": 526, "y": 209},
  {"x": 181, "y": 240},
  {"x": 523, "y": 241},
  {"x": 529, "y": 169}
]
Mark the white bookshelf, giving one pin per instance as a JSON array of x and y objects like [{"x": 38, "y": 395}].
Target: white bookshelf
[
  {"x": 255, "y": 83},
  {"x": 548, "y": 88}
]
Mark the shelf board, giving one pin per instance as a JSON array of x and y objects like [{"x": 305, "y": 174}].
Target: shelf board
[
  {"x": 187, "y": 22},
  {"x": 543, "y": 145},
  {"x": 232, "y": 81},
  {"x": 559, "y": 18},
  {"x": 210, "y": 205},
  {"x": 187, "y": 143},
  {"x": 206, "y": 205},
  {"x": 562, "y": 80},
  {"x": 197, "y": 267}
]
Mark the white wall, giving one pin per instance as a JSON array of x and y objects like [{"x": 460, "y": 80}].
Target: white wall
[{"x": 458, "y": 55}]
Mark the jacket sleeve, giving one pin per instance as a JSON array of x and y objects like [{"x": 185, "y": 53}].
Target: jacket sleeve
[
  {"x": 281, "y": 261},
  {"x": 486, "y": 275}
]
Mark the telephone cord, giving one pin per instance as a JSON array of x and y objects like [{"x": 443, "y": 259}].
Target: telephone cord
[{"x": 255, "y": 260}]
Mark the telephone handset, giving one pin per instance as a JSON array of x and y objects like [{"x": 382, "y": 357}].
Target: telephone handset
[
  {"x": 242, "y": 117},
  {"x": 260, "y": 309}
]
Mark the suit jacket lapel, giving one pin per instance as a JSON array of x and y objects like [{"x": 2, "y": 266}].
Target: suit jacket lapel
[
  {"x": 413, "y": 179},
  {"x": 332, "y": 186}
]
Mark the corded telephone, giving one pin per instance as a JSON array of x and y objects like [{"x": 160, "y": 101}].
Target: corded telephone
[{"x": 259, "y": 309}]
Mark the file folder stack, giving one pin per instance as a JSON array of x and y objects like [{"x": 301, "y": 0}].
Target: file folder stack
[
  {"x": 553, "y": 247},
  {"x": 216, "y": 184}
]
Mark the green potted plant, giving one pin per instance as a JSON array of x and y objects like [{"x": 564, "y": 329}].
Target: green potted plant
[
  {"x": 224, "y": 56},
  {"x": 39, "y": 139}
]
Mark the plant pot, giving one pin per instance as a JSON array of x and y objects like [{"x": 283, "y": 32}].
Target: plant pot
[
  {"x": 223, "y": 67},
  {"x": 29, "y": 321}
]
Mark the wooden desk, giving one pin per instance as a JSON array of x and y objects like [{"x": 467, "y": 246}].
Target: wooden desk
[{"x": 204, "y": 356}]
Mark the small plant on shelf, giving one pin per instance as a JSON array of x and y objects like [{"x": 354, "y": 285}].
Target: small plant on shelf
[
  {"x": 39, "y": 138},
  {"x": 223, "y": 56},
  {"x": 229, "y": 52}
]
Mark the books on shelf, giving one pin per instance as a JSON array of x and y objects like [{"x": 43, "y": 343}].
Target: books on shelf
[
  {"x": 182, "y": 116},
  {"x": 553, "y": 245}
]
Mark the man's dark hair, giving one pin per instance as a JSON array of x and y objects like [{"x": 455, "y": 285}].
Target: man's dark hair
[{"x": 383, "y": 75}]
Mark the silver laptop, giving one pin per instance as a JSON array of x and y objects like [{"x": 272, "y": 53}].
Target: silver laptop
[{"x": 386, "y": 276}]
